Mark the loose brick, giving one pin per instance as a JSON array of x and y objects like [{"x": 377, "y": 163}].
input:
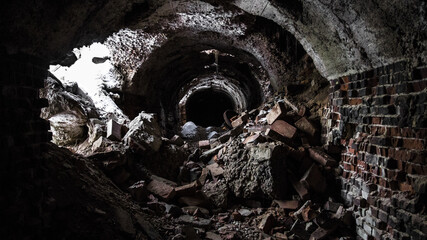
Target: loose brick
[
  {"x": 284, "y": 128},
  {"x": 277, "y": 112},
  {"x": 304, "y": 125}
]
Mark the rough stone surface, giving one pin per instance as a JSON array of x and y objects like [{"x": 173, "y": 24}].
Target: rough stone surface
[
  {"x": 144, "y": 130},
  {"x": 255, "y": 171}
]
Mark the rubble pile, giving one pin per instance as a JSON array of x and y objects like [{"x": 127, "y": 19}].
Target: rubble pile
[{"x": 262, "y": 175}]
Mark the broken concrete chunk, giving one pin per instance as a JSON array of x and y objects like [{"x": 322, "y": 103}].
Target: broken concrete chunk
[
  {"x": 277, "y": 112},
  {"x": 267, "y": 223},
  {"x": 321, "y": 157},
  {"x": 217, "y": 193},
  {"x": 283, "y": 128},
  {"x": 161, "y": 189},
  {"x": 145, "y": 131},
  {"x": 257, "y": 170},
  {"x": 304, "y": 125},
  {"x": 114, "y": 130}
]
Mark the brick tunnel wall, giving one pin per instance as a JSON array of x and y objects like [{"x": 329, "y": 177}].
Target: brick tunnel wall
[
  {"x": 23, "y": 137},
  {"x": 379, "y": 118}
]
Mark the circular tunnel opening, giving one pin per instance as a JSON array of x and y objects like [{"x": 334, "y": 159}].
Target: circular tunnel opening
[{"x": 206, "y": 107}]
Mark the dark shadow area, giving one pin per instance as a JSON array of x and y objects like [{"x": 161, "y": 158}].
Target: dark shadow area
[{"x": 205, "y": 108}]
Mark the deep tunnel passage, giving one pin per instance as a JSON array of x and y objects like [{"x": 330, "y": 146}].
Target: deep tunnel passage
[{"x": 205, "y": 107}]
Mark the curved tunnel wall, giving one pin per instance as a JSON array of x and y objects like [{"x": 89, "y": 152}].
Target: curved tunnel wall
[{"x": 361, "y": 176}]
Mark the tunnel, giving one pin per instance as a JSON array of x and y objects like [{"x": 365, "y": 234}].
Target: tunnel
[
  {"x": 206, "y": 107},
  {"x": 210, "y": 119}
]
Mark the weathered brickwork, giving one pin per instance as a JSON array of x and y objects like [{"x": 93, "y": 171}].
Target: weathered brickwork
[
  {"x": 23, "y": 137},
  {"x": 379, "y": 118}
]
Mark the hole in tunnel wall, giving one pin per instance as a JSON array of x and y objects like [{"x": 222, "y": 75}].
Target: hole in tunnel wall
[{"x": 206, "y": 107}]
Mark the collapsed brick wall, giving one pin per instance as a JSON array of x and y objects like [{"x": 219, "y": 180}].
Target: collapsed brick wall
[
  {"x": 23, "y": 137},
  {"x": 379, "y": 118}
]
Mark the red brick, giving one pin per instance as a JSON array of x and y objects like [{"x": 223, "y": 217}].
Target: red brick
[
  {"x": 391, "y": 90},
  {"x": 394, "y": 131},
  {"x": 161, "y": 189},
  {"x": 396, "y": 142},
  {"x": 284, "y": 128},
  {"x": 421, "y": 133},
  {"x": 355, "y": 101},
  {"x": 405, "y": 187},
  {"x": 277, "y": 112},
  {"x": 345, "y": 79},
  {"x": 240, "y": 120},
  {"x": 204, "y": 144},
  {"x": 287, "y": 204},
  {"x": 314, "y": 178},
  {"x": 376, "y": 120},
  {"x": 419, "y": 85},
  {"x": 321, "y": 157},
  {"x": 407, "y": 132},
  {"x": 304, "y": 125},
  {"x": 413, "y": 143},
  {"x": 344, "y": 87}
]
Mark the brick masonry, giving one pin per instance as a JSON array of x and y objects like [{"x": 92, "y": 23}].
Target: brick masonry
[
  {"x": 23, "y": 137},
  {"x": 379, "y": 118}
]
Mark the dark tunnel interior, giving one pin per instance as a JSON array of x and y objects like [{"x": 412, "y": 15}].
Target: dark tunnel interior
[{"x": 206, "y": 107}]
